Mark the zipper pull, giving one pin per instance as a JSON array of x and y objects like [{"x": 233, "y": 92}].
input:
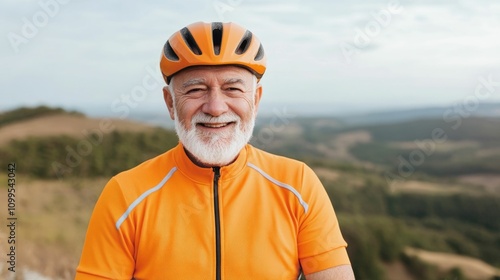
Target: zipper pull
[{"x": 216, "y": 173}]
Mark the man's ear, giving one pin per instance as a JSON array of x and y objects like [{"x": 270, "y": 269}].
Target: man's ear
[
  {"x": 169, "y": 101},
  {"x": 258, "y": 95}
]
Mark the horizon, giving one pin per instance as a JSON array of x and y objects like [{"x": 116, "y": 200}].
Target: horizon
[{"x": 305, "y": 109}]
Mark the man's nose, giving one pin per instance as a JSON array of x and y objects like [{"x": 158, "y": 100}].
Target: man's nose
[{"x": 215, "y": 104}]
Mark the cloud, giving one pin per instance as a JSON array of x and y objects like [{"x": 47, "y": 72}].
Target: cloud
[{"x": 93, "y": 53}]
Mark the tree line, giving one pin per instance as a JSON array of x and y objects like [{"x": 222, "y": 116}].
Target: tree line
[{"x": 60, "y": 156}]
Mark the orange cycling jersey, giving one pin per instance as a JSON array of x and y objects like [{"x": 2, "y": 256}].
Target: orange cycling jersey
[{"x": 261, "y": 217}]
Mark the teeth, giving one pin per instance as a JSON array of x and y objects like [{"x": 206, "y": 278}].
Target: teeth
[{"x": 214, "y": 125}]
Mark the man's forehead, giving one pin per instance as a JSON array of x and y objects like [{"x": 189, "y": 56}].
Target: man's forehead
[{"x": 227, "y": 73}]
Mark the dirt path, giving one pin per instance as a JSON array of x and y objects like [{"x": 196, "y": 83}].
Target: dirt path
[
  {"x": 397, "y": 271},
  {"x": 472, "y": 268},
  {"x": 490, "y": 182}
]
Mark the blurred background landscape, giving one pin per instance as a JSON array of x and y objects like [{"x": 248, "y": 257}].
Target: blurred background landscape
[
  {"x": 411, "y": 205},
  {"x": 394, "y": 103}
]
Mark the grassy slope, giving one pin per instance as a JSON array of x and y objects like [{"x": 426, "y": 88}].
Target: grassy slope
[
  {"x": 54, "y": 221},
  {"x": 53, "y": 214},
  {"x": 62, "y": 123},
  {"x": 26, "y": 113},
  {"x": 361, "y": 198},
  {"x": 472, "y": 268}
]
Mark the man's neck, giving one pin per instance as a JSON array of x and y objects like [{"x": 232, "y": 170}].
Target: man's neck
[{"x": 199, "y": 163}]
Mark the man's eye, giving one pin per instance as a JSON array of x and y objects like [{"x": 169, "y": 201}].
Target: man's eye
[
  {"x": 234, "y": 89},
  {"x": 194, "y": 90}
]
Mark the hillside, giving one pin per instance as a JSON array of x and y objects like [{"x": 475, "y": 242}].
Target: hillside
[
  {"x": 440, "y": 191},
  {"x": 26, "y": 113},
  {"x": 473, "y": 128},
  {"x": 472, "y": 268},
  {"x": 55, "y": 122},
  {"x": 468, "y": 146},
  {"x": 63, "y": 167},
  {"x": 483, "y": 110}
]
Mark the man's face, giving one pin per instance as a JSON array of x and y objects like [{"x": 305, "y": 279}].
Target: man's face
[{"x": 214, "y": 110}]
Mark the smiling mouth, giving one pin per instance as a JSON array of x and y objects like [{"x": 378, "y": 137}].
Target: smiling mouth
[{"x": 215, "y": 125}]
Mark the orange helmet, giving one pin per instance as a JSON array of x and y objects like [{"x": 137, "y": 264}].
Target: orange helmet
[{"x": 213, "y": 43}]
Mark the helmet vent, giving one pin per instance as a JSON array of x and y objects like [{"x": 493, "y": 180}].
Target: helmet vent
[
  {"x": 260, "y": 53},
  {"x": 188, "y": 38},
  {"x": 217, "y": 36},
  {"x": 169, "y": 52},
  {"x": 244, "y": 43}
]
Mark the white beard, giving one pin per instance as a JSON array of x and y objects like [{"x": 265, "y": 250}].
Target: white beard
[{"x": 215, "y": 149}]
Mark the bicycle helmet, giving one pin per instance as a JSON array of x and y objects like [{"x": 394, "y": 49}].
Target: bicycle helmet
[{"x": 213, "y": 43}]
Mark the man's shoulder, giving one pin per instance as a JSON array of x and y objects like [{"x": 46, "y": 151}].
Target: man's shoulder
[
  {"x": 282, "y": 170},
  {"x": 274, "y": 163},
  {"x": 262, "y": 155},
  {"x": 147, "y": 172}
]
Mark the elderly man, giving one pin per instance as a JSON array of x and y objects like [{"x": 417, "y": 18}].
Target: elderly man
[{"x": 214, "y": 207}]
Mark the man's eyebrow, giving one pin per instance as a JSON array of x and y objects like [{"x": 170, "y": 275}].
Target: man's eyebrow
[
  {"x": 200, "y": 81},
  {"x": 234, "y": 81},
  {"x": 193, "y": 82}
]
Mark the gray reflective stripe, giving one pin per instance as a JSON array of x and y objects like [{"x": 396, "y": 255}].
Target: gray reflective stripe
[
  {"x": 283, "y": 185},
  {"x": 143, "y": 196}
]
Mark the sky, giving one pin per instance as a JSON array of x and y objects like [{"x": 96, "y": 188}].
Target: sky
[{"x": 338, "y": 56}]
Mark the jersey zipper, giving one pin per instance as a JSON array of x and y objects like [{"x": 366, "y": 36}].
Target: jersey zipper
[{"x": 217, "y": 224}]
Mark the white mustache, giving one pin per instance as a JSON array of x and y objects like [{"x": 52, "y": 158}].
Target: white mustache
[{"x": 204, "y": 118}]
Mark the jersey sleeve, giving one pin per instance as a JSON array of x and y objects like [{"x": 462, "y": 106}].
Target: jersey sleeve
[
  {"x": 108, "y": 251},
  {"x": 320, "y": 242}
]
